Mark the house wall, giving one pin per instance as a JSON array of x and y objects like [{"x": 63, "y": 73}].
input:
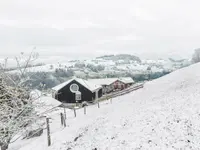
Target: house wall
[
  {"x": 100, "y": 93},
  {"x": 66, "y": 96},
  {"x": 118, "y": 85}
]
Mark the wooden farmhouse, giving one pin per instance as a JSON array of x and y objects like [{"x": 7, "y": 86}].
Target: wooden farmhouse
[
  {"x": 113, "y": 84},
  {"x": 106, "y": 83},
  {"x": 128, "y": 81},
  {"x": 77, "y": 90}
]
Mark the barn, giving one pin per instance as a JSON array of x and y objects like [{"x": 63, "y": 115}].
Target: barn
[
  {"x": 106, "y": 83},
  {"x": 118, "y": 85},
  {"x": 113, "y": 84},
  {"x": 77, "y": 90},
  {"x": 128, "y": 81}
]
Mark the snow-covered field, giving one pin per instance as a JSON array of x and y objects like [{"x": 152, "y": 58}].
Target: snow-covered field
[{"x": 165, "y": 114}]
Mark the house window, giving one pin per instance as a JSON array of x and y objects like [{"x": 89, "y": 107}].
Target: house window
[
  {"x": 74, "y": 87},
  {"x": 78, "y": 97}
]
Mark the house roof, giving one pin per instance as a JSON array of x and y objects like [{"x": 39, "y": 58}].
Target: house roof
[
  {"x": 104, "y": 81},
  {"x": 45, "y": 104},
  {"x": 127, "y": 80},
  {"x": 87, "y": 84},
  {"x": 108, "y": 81}
]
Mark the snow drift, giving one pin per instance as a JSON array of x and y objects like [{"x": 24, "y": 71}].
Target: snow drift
[{"x": 165, "y": 114}]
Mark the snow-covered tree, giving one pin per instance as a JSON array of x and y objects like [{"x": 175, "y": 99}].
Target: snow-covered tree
[{"x": 16, "y": 108}]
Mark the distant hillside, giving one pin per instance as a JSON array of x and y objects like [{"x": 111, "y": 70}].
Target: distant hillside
[
  {"x": 120, "y": 57},
  {"x": 173, "y": 60},
  {"x": 122, "y": 65}
]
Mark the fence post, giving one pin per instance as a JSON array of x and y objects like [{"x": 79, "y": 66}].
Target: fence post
[
  {"x": 98, "y": 103},
  {"x": 64, "y": 121},
  {"x": 48, "y": 132},
  {"x": 85, "y": 110},
  {"x": 61, "y": 118},
  {"x": 65, "y": 113},
  {"x": 74, "y": 112}
]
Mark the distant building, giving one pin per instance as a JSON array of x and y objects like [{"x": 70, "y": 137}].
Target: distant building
[
  {"x": 128, "y": 81},
  {"x": 85, "y": 91},
  {"x": 113, "y": 84}
]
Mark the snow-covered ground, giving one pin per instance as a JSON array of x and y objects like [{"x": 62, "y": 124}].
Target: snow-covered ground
[{"x": 165, "y": 114}]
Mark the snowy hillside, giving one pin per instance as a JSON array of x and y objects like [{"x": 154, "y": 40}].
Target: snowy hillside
[{"x": 165, "y": 114}]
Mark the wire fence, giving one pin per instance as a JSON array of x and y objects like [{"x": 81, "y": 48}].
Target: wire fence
[{"x": 122, "y": 92}]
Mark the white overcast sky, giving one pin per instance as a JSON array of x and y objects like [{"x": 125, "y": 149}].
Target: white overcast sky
[{"x": 85, "y": 28}]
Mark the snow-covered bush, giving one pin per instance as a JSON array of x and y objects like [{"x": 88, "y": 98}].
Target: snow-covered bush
[{"x": 16, "y": 107}]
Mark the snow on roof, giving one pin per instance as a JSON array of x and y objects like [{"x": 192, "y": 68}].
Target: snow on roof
[
  {"x": 108, "y": 81},
  {"x": 127, "y": 80},
  {"x": 45, "y": 103},
  {"x": 87, "y": 84},
  {"x": 104, "y": 81}
]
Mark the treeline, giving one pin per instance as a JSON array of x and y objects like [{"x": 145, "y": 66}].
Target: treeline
[
  {"x": 120, "y": 57},
  {"x": 149, "y": 76},
  {"x": 47, "y": 80}
]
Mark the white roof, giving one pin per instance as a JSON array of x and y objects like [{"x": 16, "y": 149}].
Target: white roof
[
  {"x": 45, "y": 103},
  {"x": 87, "y": 84},
  {"x": 108, "y": 81},
  {"x": 127, "y": 80},
  {"x": 104, "y": 81}
]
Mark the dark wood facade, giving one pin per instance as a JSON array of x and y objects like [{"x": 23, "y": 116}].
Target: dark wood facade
[
  {"x": 119, "y": 85},
  {"x": 66, "y": 96}
]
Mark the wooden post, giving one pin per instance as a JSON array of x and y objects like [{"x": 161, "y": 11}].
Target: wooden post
[
  {"x": 61, "y": 118},
  {"x": 64, "y": 121},
  {"x": 85, "y": 110},
  {"x": 65, "y": 113},
  {"x": 74, "y": 112},
  {"x": 98, "y": 103},
  {"x": 48, "y": 132},
  {"x": 97, "y": 98}
]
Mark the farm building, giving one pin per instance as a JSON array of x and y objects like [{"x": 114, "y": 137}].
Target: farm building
[
  {"x": 106, "y": 84},
  {"x": 128, "y": 81},
  {"x": 113, "y": 84},
  {"x": 77, "y": 90}
]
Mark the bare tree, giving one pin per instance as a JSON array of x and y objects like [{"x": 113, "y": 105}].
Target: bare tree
[
  {"x": 196, "y": 56},
  {"x": 16, "y": 107}
]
